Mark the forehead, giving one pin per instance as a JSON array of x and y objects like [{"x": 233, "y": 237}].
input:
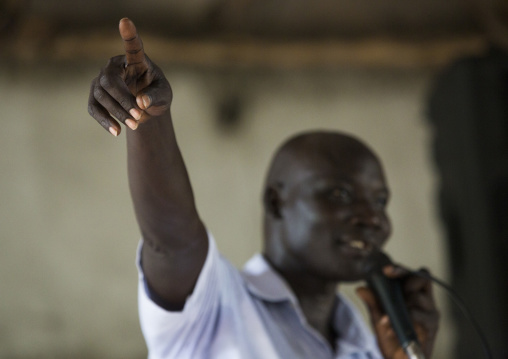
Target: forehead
[
  {"x": 350, "y": 166},
  {"x": 333, "y": 160}
]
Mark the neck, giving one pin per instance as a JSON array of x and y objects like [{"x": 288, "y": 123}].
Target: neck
[
  {"x": 317, "y": 299},
  {"x": 319, "y": 312}
]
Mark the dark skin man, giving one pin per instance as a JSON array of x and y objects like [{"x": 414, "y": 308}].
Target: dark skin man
[{"x": 325, "y": 206}]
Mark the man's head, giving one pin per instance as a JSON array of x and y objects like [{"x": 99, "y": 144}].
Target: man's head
[{"x": 325, "y": 200}]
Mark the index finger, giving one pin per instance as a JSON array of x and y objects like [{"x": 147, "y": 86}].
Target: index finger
[{"x": 134, "y": 53}]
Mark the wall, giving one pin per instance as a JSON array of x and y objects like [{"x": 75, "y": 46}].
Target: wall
[{"x": 68, "y": 233}]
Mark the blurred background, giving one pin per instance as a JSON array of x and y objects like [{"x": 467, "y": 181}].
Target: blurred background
[{"x": 423, "y": 82}]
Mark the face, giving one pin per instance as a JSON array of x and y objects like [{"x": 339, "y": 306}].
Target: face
[{"x": 333, "y": 214}]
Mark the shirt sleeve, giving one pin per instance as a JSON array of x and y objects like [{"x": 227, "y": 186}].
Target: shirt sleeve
[{"x": 168, "y": 332}]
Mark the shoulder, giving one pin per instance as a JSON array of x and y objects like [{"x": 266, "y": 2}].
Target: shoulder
[{"x": 219, "y": 284}]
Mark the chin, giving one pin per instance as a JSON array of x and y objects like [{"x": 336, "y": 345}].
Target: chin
[
  {"x": 351, "y": 277},
  {"x": 354, "y": 272}
]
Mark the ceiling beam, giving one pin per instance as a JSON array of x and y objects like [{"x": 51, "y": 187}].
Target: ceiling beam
[
  {"x": 36, "y": 39},
  {"x": 247, "y": 52}
]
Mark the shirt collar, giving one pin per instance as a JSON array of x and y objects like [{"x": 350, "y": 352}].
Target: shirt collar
[{"x": 264, "y": 282}]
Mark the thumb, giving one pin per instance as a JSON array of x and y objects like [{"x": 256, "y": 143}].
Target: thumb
[
  {"x": 144, "y": 100},
  {"x": 155, "y": 100}
]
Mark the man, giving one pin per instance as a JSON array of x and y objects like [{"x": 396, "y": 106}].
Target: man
[{"x": 325, "y": 199}]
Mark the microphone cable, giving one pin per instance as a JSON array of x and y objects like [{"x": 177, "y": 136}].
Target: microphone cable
[{"x": 460, "y": 304}]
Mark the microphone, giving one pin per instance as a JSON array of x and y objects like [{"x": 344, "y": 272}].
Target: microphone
[{"x": 389, "y": 294}]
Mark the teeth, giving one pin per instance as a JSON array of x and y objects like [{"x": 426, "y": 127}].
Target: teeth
[{"x": 357, "y": 244}]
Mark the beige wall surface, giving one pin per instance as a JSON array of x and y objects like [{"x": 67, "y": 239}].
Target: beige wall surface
[{"x": 68, "y": 233}]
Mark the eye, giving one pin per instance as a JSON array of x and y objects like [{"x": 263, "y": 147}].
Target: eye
[
  {"x": 382, "y": 201},
  {"x": 340, "y": 194}
]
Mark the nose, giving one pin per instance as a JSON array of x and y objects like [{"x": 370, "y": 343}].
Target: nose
[{"x": 365, "y": 216}]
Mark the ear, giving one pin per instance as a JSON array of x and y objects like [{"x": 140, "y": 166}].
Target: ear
[{"x": 272, "y": 202}]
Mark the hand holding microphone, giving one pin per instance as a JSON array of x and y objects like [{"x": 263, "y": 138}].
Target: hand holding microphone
[{"x": 402, "y": 310}]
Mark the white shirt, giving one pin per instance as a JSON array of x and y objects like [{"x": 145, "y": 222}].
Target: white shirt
[{"x": 251, "y": 314}]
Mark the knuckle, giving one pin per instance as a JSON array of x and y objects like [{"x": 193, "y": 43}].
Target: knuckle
[
  {"x": 97, "y": 116},
  {"x": 104, "y": 123},
  {"x": 125, "y": 103},
  {"x": 113, "y": 61},
  {"x": 114, "y": 65},
  {"x": 93, "y": 83},
  {"x": 91, "y": 110},
  {"x": 116, "y": 60},
  {"x": 98, "y": 93},
  {"x": 105, "y": 82},
  {"x": 119, "y": 115}
]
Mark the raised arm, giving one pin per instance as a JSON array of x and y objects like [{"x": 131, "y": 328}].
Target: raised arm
[{"x": 134, "y": 91}]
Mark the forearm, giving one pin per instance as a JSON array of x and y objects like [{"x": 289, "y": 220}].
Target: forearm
[
  {"x": 132, "y": 90},
  {"x": 159, "y": 184}
]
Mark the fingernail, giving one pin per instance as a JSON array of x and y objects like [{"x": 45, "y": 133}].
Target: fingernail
[
  {"x": 131, "y": 123},
  {"x": 387, "y": 270},
  {"x": 135, "y": 113},
  {"x": 146, "y": 100},
  {"x": 394, "y": 270},
  {"x": 113, "y": 131},
  {"x": 385, "y": 320}
]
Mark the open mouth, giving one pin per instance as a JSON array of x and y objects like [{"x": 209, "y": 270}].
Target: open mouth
[{"x": 360, "y": 245}]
